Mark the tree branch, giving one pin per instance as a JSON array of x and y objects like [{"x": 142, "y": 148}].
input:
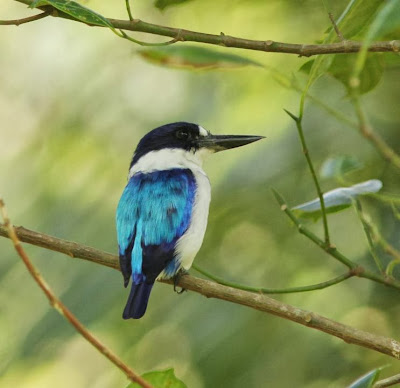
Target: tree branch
[
  {"x": 240, "y": 43},
  {"x": 393, "y": 380},
  {"x": 62, "y": 309},
  {"x": 29, "y": 19},
  {"x": 210, "y": 289}
]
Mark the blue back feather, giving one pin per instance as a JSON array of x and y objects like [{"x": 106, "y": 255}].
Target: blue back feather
[{"x": 153, "y": 213}]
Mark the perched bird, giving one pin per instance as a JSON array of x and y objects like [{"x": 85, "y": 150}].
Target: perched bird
[{"x": 162, "y": 214}]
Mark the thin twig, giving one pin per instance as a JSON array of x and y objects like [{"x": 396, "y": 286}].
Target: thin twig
[
  {"x": 368, "y": 233},
  {"x": 62, "y": 309},
  {"x": 336, "y": 28},
  {"x": 263, "y": 290},
  {"x": 128, "y": 9},
  {"x": 390, "y": 381},
  {"x": 247, "y": 44},
  {"x": 17, "y": 22},
  {"x": 334, "y": 252},
  {"x": 147, "y": 44},
  {"x": 299, "y": 126},
  {"x": 214, "y": 290},
  {"x": 367, "y": 131}
]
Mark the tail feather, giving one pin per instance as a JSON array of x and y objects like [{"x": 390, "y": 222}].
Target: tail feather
[{"x": 137, "y": 301}]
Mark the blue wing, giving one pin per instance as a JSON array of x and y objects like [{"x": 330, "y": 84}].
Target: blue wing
[{"x": 153, "y": 213}]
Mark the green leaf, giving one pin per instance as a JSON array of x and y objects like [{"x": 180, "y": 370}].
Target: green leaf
[
  {"x": 161, "y": 379},
  {"x": 337, "y": 199},
  {"x": 77, "y": 11},
  {"x": 343, "y": 65},
  {"x": 357, "y": 15},
  {"x": 194, "y": 57},
  {"x": 162, "y": 4},
  {"x": 368, "y": 380},
  {"x": 354, "y": 18},
  {"x": 339, "y": 166},
  {"x": 386, "y": 20}
]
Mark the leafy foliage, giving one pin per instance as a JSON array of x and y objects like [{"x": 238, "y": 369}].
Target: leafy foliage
[{"x": 161, "y": 379}]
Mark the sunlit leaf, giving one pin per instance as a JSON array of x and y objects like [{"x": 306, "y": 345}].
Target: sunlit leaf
[
  {"x": 368, "y": 380},
  {"x": 194, "y": 57},
  {"x": 161, "y": 379},
  {"x": 337, "y": 199},
  {"x": 343, "y": 65},
  {"x": 76, "y": 10},
  {"x": 162, "y": 4},
  {"x": 339, "y": 166}
]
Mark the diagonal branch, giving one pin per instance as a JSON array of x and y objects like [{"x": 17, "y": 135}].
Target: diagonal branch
[
  {"x": 235, "y": 42},
  {"x": 210, "y": 289},
  {"x": 62, "y": 309}
]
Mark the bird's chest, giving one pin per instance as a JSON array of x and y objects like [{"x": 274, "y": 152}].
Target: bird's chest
[{"x": 189, "y": 244}]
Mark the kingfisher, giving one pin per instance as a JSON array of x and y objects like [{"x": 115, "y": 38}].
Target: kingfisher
[{"x": 162, "y": 214}]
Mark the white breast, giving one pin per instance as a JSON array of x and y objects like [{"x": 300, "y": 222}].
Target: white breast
[{"x": 189, "y": 244}]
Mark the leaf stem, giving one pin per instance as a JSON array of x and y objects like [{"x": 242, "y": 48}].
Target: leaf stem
[
  {"x": 128, "y": 9},
  {"x": 299, "y": 126},
  {"x": 368, "y": 233},
  {"x": 262, "y": 290}
]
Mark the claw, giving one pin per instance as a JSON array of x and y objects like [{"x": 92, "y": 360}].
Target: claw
[{"x": 176, "y": 281}]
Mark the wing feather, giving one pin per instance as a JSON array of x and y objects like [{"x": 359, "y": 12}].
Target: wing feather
[{"x": 153, "y": 213}]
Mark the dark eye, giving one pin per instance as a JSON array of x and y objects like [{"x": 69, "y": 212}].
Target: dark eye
[{"x": 182, "y": 134}]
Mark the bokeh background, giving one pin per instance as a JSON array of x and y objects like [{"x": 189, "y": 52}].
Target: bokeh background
[{"x": 74, "y": 101}]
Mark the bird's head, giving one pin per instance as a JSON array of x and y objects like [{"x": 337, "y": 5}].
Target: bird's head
[{"x": 181, "y": 138}]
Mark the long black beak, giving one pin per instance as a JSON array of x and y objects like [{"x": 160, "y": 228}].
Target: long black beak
[{"x": 225, "y": 142}]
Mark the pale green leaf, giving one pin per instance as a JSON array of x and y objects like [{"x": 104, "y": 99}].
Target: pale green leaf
[
  {"x": 194, "y": 57},
  {"x": 337, "y": 199},
  {"x": 161, "y": 379}
]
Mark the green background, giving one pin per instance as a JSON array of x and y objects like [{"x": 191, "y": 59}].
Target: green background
[{"x": 74, "y": 102}]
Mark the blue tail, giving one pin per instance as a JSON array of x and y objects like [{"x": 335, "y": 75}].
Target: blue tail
[{"x": 137, "y": 301}]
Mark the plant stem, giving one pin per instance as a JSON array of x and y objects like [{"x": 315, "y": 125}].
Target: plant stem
[{"x": 263, "y": 290}]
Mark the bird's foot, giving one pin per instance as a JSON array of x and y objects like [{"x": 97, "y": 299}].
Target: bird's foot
[{"x": 176, "y": 278}]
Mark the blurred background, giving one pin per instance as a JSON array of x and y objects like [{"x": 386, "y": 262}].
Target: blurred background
[{"x": 74, "y": 101}]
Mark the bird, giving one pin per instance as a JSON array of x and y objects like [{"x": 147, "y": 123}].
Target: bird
[{"x": 162, "y": 214}]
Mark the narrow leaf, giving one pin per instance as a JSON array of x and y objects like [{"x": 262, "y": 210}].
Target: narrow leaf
[
  {"x": 161, "y": 379},
  {"x": 337, "y": 199},
  {"x": 194, "y": 57},
  {"x": 339, "y": 166},
  {"x": 368, "y": 380},
  {"x": 77, "y": 11}
]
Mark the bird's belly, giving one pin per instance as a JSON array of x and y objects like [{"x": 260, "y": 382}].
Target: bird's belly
[{"x": 189, "y": 244}]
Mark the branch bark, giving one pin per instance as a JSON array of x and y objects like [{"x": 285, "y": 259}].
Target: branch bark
[
  {"x": 210, "y": 289},
  {"x": 183, "y": 35}
]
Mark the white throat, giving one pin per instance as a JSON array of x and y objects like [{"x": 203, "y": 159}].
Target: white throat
[{"x": 169, "y": 158}]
